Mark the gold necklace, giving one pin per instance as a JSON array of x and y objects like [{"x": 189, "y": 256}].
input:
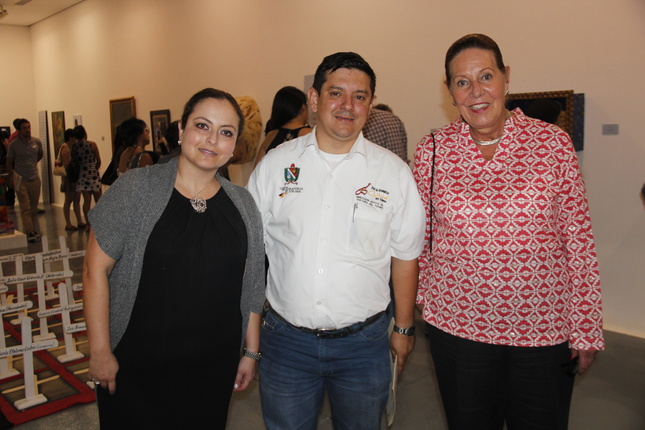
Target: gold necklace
[{"x": 197, "y": 201}]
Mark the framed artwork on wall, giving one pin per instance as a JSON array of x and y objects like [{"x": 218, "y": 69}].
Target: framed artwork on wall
[
  {"x": 571, "y": 118},
  {"x": 159, "y": 122},
  {"x": 58, "y": 130},
  {"x": 120, "y": 110}
]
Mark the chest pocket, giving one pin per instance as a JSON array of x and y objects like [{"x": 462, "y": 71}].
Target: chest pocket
[{"x": 369, "y": 231}]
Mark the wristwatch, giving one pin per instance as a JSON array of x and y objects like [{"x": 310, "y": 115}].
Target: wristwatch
[
  {"x": 406, "y": 331},
  {"x": 254, "y": 355}
]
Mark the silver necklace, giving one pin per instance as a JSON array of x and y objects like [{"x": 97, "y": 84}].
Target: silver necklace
[
  {"x": 197, "y": 201},
  {"x": 488, "y": 142}
]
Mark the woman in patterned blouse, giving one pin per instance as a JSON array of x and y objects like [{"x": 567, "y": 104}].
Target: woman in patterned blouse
[{"x": 509, "y": 281}]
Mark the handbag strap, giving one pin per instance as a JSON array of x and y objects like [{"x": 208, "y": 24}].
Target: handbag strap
[{"x": 61, "y": 150}]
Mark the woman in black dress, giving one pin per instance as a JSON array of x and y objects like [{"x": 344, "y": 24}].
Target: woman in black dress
[
  {"x": 289, "y": 116},
  {"x": 173, "y": 280}
]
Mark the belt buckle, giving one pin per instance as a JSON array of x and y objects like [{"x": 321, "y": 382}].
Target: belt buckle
[{"x": 331, "y": 334}]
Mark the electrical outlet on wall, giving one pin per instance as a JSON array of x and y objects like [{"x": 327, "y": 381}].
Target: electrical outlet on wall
[{"x": 609, "y": 129}]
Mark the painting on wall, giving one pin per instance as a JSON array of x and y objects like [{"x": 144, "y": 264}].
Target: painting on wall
[
  {"x": 572, "y": 108},
  {"x": 159, "y": 122},
  {"x": 120, "y": 110},
  {"x": 58, "y": 130}
]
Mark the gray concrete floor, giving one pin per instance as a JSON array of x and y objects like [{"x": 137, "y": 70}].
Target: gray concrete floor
[{"x": 610, "y": 396}]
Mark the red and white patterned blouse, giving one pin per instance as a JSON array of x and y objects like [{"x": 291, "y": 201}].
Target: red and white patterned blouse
[{"x": 513, "y": 260}]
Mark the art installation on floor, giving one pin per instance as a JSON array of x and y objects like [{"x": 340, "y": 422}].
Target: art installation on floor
[{"x": 43, "y": 343}]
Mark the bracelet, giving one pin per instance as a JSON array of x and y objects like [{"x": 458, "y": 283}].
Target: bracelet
[{"x": 254, "y": 355}]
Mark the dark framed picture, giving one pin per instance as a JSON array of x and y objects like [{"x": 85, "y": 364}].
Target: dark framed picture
[
  {"x": 120, "y": 110},
  {"x": 572, "y": 107},
  {"x": 159, "y": 123},
  {"x": 58, "y": 130}
]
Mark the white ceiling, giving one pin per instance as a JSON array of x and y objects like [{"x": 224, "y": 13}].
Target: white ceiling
[{"x": 28, "y": 12}]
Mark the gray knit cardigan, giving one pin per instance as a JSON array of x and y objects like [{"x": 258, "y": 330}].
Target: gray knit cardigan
[{"x": 123, "y": 219}]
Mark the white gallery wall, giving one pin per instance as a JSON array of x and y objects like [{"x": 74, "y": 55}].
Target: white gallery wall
[{"x": 163, "y": 51}]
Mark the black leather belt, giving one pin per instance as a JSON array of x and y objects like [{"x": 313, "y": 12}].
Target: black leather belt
[{"x": 331, "y": 334}]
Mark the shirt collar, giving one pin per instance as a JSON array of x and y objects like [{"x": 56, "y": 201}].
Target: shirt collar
[{"x": 311, "y": 143}]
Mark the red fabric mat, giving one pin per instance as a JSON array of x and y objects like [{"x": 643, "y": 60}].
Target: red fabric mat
[{"x": 65, "y": 388}]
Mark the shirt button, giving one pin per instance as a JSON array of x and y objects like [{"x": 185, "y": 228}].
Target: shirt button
[
  {"x": 320, "y": 271},
  {"x": 489, "y": 210},
  {"x": 319, "y": 302}
]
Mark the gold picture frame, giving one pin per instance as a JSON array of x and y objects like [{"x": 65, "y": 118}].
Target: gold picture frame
[{"x": 571, "y": 118}]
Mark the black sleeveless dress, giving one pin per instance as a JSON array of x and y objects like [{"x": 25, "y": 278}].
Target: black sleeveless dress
[
  {"x": 284, "y": 135},
  {"x": 178, "y": 357}
]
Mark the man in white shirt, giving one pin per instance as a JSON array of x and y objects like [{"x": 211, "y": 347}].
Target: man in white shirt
[{"x": 338, "y": 213}]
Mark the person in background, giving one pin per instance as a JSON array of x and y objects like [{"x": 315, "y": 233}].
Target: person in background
[
  {"x": 135, "y": 136},
  {"x": 16, "y": 125},
  {"x": 509, "y": 282},
  {"x": 340, "y": 215},
  {"x": 172, "y": 140},
  {"x": 383, "y": 106},
  {"x": 67, "y": 187},
  {"x": 387, "y": 130},
  {"x": 289, "y": 116},
  {"x": 10, "y": 195},
  {"x": 176, "y": 239},
  {"x": 22, "y": 166},
  {"x": 89, "y": 181},
  {"x": 4, "y": 147}
]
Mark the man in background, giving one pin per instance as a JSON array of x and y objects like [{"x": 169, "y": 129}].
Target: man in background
[
  {"x": 22, "y": 166},
  {"x": 386, "y": 129}
]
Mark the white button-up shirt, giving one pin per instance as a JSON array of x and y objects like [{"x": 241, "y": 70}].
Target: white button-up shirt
[{"x": 330, "y": 232}]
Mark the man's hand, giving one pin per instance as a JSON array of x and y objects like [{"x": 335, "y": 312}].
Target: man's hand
[{"x": 401, "y": 346}]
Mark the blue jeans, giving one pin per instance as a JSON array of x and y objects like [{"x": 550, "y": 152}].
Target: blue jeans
[
  {"x": 297, "y": 367},
  {"x": 484, "y": 385}
]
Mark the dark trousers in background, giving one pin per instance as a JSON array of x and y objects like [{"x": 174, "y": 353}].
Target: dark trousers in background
[{"x": 484, "y": 385}]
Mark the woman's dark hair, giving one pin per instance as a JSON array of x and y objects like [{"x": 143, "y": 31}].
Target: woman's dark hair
[
  {"x": 475, "y": 40},
  {"x": 342, "y": 60},
  {"x": 79, "y": 132},
  {"x": 130, "y": 130},
  {"x": 69, "y": 133},
  {"x": 287, "y": 103},
  {"x": 172, "y": 135},
  {"x": 212, "y": 93}
]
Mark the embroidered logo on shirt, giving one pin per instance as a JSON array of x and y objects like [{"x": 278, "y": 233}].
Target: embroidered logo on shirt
[
  {"x": 291, "y": 175},
  {"x": 372, "y": 196}
]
